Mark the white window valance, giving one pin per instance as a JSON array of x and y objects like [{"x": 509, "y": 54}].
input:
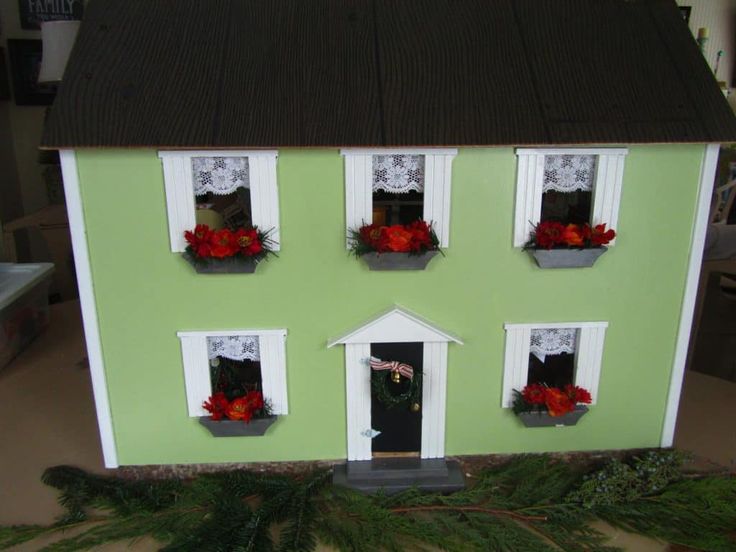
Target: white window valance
[
  {"x": 219, "y": 175},
  {"x": 569, "y": 173},
  {"x": 552, "y": 341},
  {"x": 398, "y": 174},
  {"x": 234, "y": 347}
]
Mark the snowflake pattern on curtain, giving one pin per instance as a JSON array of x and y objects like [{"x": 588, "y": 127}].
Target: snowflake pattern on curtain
[
  {"x": 398, "y": 174},
  {"x": 569, "y": 173},
  {"x": 235, "y": 347},
  {"x": 553, "y": 341},
  {"x": 219, "y": 175}
]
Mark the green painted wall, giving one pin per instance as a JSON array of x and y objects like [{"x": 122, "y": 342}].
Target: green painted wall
[{"x": 145, "y": 294}]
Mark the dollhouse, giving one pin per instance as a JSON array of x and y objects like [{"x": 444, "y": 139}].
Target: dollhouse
[{"x": 247, "y": 181}]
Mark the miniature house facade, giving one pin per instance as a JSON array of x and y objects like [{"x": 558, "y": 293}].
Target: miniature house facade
[{"x": 477, "y": 323}]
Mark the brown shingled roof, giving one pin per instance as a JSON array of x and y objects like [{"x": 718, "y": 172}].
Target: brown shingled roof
[{"x": 314, "y": 73}]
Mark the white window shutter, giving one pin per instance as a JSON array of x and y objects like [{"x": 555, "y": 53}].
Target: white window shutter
[
  {"x": 358, "y": 393},
  {"x": 589, "y": 358},
  {"x": 179, "y": 198},
  {"x": 264, "y": 195},
  {"x": 358, "y": 192},
  {"x": 196, "y": 373},
  {"x": 437, "y": 193},
  {"x": 273, "y": 371},
  {"x": 529, "y": 178},
  {"x": 607, "y": 192},
  {"x": 516, "y": 361}
]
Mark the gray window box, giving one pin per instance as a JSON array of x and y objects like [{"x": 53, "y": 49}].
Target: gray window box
[
  {"x": 398, "y": 261},
  {"x": 230, "y": 265},
  {"x": 237, "y": 428},
  {"x": 567, "y": 258},
  {"x": 543, "y": 419}
]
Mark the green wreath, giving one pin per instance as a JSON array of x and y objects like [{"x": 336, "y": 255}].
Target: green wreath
[{"x": 380, "y": 381}]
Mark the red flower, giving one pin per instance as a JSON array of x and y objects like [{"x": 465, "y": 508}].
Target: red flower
[
  {"x": 254, "y": 400},
  {"x": 421, "y": 236},
  {"x": 217, "y": 405},
  {"x": 239, "y": 409},
  {"x": 223, "y": 244},
  {"x": 558, "y": 403},
  {"x": 248, "y": 242},
  {"x": 573, "y": 235},
  {"x": 548, "y": 234},
  {"x": 600, "y": 236},
  {"x": 534, "y": 393},
  {"x": 399, "y": 238},
  {"x": 199, "y": 240},
  {"x": 578, "y": 395},
  {"x": 375, "y": 236}
]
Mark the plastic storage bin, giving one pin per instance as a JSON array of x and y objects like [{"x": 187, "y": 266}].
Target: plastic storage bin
[{"x": 24, "y": 305}]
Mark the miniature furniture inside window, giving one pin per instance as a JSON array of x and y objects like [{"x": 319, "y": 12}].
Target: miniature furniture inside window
[
  {"x": 237, "y": 365},
  {"x": 398, "y": 186},
  {"x": 554, "y": 355},
  {"x": 570, "y": 186},
  {"x": 222, "y": 189}
]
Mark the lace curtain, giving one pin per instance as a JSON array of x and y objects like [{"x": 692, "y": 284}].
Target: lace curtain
[
  {"x": 569, "y": 173},
  {"x": 553, "y": 341},
  {"x": 219, "y": 175},
  {"x": 398, "y": 174},
  {"x": 235, "y": 347}
]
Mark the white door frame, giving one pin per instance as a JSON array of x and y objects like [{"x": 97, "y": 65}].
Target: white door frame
[{"x": 397, "y": 325}]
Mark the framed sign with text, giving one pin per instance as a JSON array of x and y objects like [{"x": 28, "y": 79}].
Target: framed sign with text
[{"x": 34, "y": 12}]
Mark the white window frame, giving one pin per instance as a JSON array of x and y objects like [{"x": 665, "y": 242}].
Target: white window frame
[
  {"x": 588, "y": 356},
  {"x": 272, "y": 345},
  {"x": 437, "y": 187},
  {"x": 529, "y": 187},
  {"x": 179, "y": 186}
]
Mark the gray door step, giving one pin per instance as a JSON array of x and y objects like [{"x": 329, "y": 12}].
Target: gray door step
[{"x": 393, "y": 475}]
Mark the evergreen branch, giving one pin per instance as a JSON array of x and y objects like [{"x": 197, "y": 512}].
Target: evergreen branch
[{"x": 506, "y": 513}]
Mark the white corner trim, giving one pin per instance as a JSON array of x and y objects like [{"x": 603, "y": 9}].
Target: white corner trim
[
  {"x": 398, "y": 325},
  {"x": 697, "y": 243},
  {"x": 398, "y": 151},
  {"x": 78, "y": 232},
  {"x": 572, "y": 151},
  {"x": 229, "y": 333},
  {"x": 217, "y": 153}
]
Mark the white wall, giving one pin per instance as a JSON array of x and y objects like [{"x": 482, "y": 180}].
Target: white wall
[{"x": 718, "y": 16}]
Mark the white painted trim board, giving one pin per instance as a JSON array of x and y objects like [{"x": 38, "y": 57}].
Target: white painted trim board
[
  {"x": 697, "y": 243},
  {"x": 78, "y": 232}
]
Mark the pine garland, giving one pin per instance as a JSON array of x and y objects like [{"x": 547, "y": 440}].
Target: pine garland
[
  {"x": 532, "y": 503},
  {"x": 381, "y": 388}
]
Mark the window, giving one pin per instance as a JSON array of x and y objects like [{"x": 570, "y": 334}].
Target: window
[
  {"x": 569, "y": 186},
  {"x": 398, "y": 187},
  {"x": 220, "y": 189},
  {"x": 234, "y": 362},
  {"x": 553, "y": 354}
]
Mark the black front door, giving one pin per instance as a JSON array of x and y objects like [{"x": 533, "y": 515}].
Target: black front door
[{"x": 400, "y": 426}]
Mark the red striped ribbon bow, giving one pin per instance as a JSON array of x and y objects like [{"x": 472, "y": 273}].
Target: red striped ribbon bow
[{"x": 393, "y": 365}]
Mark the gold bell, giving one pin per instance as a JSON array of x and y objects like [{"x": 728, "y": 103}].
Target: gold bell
[
  {"x": 415, "y": 407},
  {"x": 395, "y": 377}
]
